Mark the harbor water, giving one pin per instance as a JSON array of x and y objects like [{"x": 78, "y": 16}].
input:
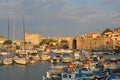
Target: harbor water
[{"x": 24, "y": 72}]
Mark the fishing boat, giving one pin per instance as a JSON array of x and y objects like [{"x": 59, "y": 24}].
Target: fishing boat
[
  {"x": 75, "y": 70},
  {"x": 21, "y": 58},
  {"x": 34, "y": 55},
  {"x": 7, "y": 61},
  {"x": 65, "y": 74},
  {"x": 53, "y": 72},
  {"x": 31, "y": 60},
  {"x": 67, "y": 57},
  {"x": 76, "y": 55},
  {"x": 22, "y": 61},
  {"x": 55, "y": 57},
  {"x": 45, "y": 55},
  {"x": 111, "y": 63}
]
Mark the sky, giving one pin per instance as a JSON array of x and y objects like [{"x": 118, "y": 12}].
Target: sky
[{"x": 54, "y": 18}]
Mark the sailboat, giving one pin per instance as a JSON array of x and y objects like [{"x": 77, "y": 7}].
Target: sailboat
[
  {"x": 21, "y": 57},
  {"x": 8, "y": 60}
]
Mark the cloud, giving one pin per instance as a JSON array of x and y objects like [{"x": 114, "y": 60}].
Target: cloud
[
  {"x": 111, "y": 1},
  {"x": 34, "y": 9},
  {"x": 61, "y": 14},
  {"x": 86, "y": 15}
]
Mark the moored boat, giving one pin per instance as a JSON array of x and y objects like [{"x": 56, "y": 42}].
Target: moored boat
[
  {"x": 55, "y": 57},
  {"x": 34, "y": 55},
  {"x": 67, "y": 57},
  {"x": 73, "y": 71},
  {"x": 45, "y": 55},
  {"x": 7, "y": 61},
  {"x": 21, "y": 58}
]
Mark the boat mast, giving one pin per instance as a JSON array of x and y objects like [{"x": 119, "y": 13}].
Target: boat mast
[
  {"x": 8, "y": 39},
  {"x": 24, "y": 43},
  {"x": 14, "y": 35},
  {"x": 23, "y": 30}
]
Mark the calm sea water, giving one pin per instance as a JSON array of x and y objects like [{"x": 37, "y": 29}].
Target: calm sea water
[{"x": 22, "y": 72}]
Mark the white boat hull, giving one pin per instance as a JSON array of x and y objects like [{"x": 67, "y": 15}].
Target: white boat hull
[
  {"x": 66, "y": 59},
  {"x": 21, "y": 61},
  {"x": 45, "y": 56},
  {"x": 7, "y": 61}
]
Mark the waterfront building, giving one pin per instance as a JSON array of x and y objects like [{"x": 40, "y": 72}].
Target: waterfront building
[
  {"x": 91, "y": 41},
  {"x": 117, "y": 36},
  {"x": 114, "y": 36},
  {"x": 33, "y": 38},
  {"x": 117, "y": 30},
  {"x": 91, "y": 35}
]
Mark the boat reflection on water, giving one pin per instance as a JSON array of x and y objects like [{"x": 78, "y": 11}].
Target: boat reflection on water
[
  {"x": 21, "y": 66},
  {"x": 44, "y": 62}
]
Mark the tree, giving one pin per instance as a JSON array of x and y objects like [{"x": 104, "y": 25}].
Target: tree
[
  {"x": 17, "y": 47},
  {"x": 43, "y": 42},
  {"x": 7, "y": 42},
  {"x": 64, "y": 44},
  {"x": 47, "y": 41},
  {"x": 107, "y": 30}
]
